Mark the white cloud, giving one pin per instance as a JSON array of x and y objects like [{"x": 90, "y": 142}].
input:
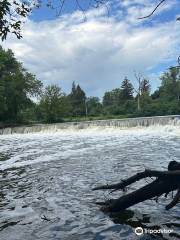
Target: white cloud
[
  {"x": 135, "y": 9},
  {"x": 97, "y": 53}
]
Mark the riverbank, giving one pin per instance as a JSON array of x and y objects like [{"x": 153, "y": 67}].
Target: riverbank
[
  {"x": 65, "y": 120},
  {"x": 11, "y": 125}
]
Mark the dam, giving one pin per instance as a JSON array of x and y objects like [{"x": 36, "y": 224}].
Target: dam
[{"x": 117, "y": 123}]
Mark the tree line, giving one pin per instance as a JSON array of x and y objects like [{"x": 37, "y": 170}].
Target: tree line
[{"x": 24, "y": 99}]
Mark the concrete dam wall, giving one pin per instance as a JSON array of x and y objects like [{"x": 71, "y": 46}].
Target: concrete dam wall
[{"x": 118, "y": 123}]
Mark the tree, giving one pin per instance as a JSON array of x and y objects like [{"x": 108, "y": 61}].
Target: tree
[
  {"x": 156, "y": 94},
  {"x": 53, "y": 104},
  {"x": 145, "y": 98},
  {"x": 127, "y": 89},
  {"x": 113, "y": 97},
  {"x": 143, "y": 90},
  {"x": 17, "y": 86},
  {"x": 138, "y": 77},
  {"x": 94, "y": 107},
  {"x": 77, "y": 99},
  {"x": 145, "y": 87},
  {"x": 120, "y": 100},
  {"x": 170, "y": 84}
]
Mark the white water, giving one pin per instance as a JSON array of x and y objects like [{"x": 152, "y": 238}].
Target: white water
[
  {"x": 173, "y": 120},
  {"x": 51, "y": 174}
]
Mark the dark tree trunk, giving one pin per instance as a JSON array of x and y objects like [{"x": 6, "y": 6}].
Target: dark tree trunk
[{"x": 166, "y": 182}]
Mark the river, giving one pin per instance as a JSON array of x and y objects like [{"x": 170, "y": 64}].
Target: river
[{"x": 46, "y": 180}]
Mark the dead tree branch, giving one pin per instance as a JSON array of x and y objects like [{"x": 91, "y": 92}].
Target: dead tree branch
[
  {"x": 175, "y": 200},
  {"x": 154, "y": 10},
  {"x": 147, "y": 173},
  {"x": 165, "y": 182}
]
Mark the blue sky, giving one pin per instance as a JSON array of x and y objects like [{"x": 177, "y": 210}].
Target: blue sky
[
  {"x": 45, "y": 13},
  {"x": 99, "y": 52}
]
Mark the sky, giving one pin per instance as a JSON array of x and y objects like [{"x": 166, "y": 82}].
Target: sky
[{"x": 98, "y": 49}]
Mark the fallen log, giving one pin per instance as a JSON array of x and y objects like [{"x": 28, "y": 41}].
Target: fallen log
[{"x": 165, "y": 182}]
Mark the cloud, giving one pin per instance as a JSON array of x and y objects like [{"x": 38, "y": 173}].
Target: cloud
[
  {"x": 135, "y": 9},
  {"x": 97, "y": 53}
]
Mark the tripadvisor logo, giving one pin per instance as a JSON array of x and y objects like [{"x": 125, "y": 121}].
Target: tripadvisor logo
[{"x": 138, "y": 231}]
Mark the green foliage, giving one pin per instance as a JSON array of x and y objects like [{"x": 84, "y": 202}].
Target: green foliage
[
  {"x": 127, "y": 90},
  {"x": 145, "y": 87},
  {"x": 53, "y": 104},
  {"x": 77, "y": 99},
  {"x": 113, "y": 97},
  {"x": 161, "y": 108},
  {"x": 145, "y": 100},
  {"x": 170, "y": 84},
  {"x": 11, "y": 14},
  {"x": 120, "y": 100},
  {"x": 94, "y": 107},
  {"x": 156, "y": 94},
  {"x": 17, "y": 86}
]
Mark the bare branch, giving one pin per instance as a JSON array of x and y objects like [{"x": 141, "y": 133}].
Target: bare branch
[
  {"x": 165, "y": 182},
  {"x": 139, "y": 176},
  {"x": 62, "y": 5},
  {"x": 154, "y": 10}
]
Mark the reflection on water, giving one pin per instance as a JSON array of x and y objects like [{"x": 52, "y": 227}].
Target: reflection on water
[{"x": 46, "y": 181}]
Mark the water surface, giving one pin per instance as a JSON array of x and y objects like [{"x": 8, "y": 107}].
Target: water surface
[{"x": 46, "y": 181}]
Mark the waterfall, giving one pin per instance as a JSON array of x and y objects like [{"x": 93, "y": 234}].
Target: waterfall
[{"x": 119, "y": 123}]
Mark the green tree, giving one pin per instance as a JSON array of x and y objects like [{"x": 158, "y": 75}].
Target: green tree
[
  {"x": 17, "y": 86},
  {"x": 127, "y": 89},
  {"x": 77, "y": 99},
  {"x": 170, "y": 84},
  {"x": 107, "y": 99},
  {"x": 145, "y": 98},
  {"x": 113, "y": 97},
  {"x": 145, "y": 87},
  {"x": 156, "y": 94},
  {"x": 120, "y": 100},
  {"x": 53, "y": 104},
  {"x": 94, "y": 107}
]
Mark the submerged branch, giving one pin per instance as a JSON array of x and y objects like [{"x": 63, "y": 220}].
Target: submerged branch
[
  {"x": 175, "y": 200},
  {"x": 147, "y": 173},
  {"x": 165, "y": 182}
]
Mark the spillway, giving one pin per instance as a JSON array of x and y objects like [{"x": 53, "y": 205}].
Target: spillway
[{"x": 117, "y": 123}]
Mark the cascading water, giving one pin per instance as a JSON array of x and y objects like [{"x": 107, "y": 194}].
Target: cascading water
[{"x": 120, "y": 123}]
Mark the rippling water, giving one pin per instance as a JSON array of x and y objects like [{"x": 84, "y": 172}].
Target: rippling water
[{"x": 46, "y": 182}]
